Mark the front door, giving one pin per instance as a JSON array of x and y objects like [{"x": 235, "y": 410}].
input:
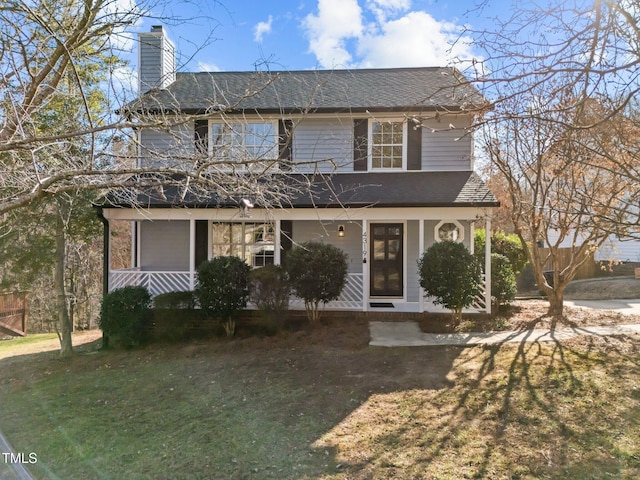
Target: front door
[{"x": 387, "y": 260}]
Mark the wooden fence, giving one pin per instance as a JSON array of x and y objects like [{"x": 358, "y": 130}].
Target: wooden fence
[
  {"x": 13, "y": 314},
  {"x": 587, "y": 270}
]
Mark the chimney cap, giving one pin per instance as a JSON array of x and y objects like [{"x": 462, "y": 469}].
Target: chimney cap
[{"x": 157, "y": 28}]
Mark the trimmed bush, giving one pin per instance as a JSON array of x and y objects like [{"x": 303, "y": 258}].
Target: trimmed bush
[
  {"x": 124, "y": 313},
  {"x": 503, "y": 280},
  {"x": 451, "y": 274},
  {"x": 175, "y": 300},
  {"x": 269, "y": 288},
  {"x": 222, "y": 289},
  {"x": 317, "y": 273}
]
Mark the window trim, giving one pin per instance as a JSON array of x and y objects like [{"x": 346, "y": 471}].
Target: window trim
[
  {"x": 436, "y": 230},
  {"x": 244, "y": 246},
  {"x": 244, "y": 122},
  {"x": 370, "y": 144}
]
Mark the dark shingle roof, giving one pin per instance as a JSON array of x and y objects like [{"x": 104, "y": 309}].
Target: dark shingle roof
[
  {"x": 407, "y": 189},
  {"x": 393, "y": 89}
]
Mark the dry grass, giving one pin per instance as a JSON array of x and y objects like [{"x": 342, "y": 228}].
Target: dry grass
[{"x": 317, "y": 403}]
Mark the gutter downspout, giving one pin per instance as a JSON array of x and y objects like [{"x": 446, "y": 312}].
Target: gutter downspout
[{"x": 105, "y": 263}]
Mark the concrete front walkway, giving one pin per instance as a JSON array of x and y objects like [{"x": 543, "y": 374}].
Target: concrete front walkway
[{"x": 408, "y": 334}]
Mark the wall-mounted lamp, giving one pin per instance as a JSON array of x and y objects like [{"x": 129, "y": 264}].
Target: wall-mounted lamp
[
  {"x": 341, "y": 230},
  {"x": 245, "y": 206}
]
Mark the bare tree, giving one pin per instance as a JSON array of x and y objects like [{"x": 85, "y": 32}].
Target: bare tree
[
  {"x": 563, "y": 192},
  {"x": 562, "y": 131}
]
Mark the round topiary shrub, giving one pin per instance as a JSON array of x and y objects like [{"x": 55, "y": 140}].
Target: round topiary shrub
[
  {"x": 222, "y": 289},
  {"x": 451, "y": 274},
  {"x": 124, "y": 313},
  {"x": 317, "y": 273}
]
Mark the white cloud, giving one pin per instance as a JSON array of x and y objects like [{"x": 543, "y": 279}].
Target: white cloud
[
  {"x": 385, "y": 34},
  {"x": 416, "y": 39},
  {"x": 208, "y": 67},
  {"x": 336, "y": 22},
  {"x": 384, "y": 8},
  {"x": 261, "y": 28}
]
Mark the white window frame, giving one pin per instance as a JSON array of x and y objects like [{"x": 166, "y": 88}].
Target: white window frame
[
  {"x": 248, "y": 249},
  {"x": 242, "y": 123},
  {"x": 436, "y": 230},
  {"x": 370, "y": 166}
]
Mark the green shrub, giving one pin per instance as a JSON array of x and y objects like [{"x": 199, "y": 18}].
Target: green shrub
[
  {"x": 503, "y": 280},
  {"x": 222, "y": 289},
  {"x": 508, "y": 245},
  {"x": 317, "y": 274},
  {"x": 124, "y": 313},
  {"x": 451, "y": 274},
  {"x": 175, "y": 300},
  {"x": 269, "y": 288}
]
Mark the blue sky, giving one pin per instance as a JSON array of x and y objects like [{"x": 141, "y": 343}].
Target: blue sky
[{"x": 304, "y": 34}]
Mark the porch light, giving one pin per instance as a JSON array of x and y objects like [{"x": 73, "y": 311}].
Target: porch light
[
  {"x": 341, "y": 230},
  {"x": 245, "y": 206}
]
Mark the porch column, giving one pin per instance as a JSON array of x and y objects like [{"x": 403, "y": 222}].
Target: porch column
[
  {"x": 487, "y": 263},
  {"x": 365, "y": 267},
  {"x": 420, "y": 253},
  {"x": 276, "y": 244},
  {"x": 137, "y": 244},
  {"x": 134, "y": 244},
  {"x": 192, "y": 254}
]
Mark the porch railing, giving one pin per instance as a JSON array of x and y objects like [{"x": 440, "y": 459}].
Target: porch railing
[
  {"x": 163, "y": 282},
  {"x": 350, "y": 298},
  {"x": 480, "y": 303},
  {"x": 156, "y": 282}
]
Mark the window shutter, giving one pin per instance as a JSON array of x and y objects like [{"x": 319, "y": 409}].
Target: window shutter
[
  {"x": 286, "y": 238},
  {"x": 414, "y": 146},
  {"x": 360, "y": 145},
  {"x": 201, "y": 241},
  {"x": 285, "y": 139},
  {"x": 201, "y": 136}
]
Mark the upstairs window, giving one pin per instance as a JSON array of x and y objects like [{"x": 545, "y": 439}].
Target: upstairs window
[
  {"x": 387, "y": 145},
  {"x": 240, "y": 142}
]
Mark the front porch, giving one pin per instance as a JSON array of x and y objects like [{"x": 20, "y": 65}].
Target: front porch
[
  {"x": 168, "y": 244},
  {"x": 351, "y": 299}
]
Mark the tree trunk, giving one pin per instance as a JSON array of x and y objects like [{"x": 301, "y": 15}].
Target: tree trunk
[
  {"x": 66, "y": 346},
  {"x": 556, "y": 301}
]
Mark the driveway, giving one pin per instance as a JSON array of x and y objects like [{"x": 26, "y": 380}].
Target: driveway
[{"x": 627, "y": 306}]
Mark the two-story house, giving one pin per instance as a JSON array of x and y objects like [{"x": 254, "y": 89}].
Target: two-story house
[{"x": 378, "y": 162}]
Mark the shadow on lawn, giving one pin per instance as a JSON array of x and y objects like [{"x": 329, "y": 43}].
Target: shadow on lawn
[
  {"x": 318, "y": 403},
  {"x": 552, "y": 409}
]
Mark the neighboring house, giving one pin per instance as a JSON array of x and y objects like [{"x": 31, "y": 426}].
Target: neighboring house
[{"x": 387, "y": 154}]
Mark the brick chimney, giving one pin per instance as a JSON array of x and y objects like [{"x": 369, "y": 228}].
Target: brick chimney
[{"x": 156, "y": 60}]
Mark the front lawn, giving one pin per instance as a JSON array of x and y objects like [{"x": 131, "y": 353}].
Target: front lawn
[{"x": 320, "y": 404}]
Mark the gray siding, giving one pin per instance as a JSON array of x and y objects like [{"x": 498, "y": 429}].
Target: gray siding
[
  {"x": 326, "y": 141},
  {"x": 156, "y": 67},
  {"x": 447, "y": 149},
  {"x": 167, "y": 148},
  {"x": 327, "y": 232},
  {"x": 164, "y": 245}
]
